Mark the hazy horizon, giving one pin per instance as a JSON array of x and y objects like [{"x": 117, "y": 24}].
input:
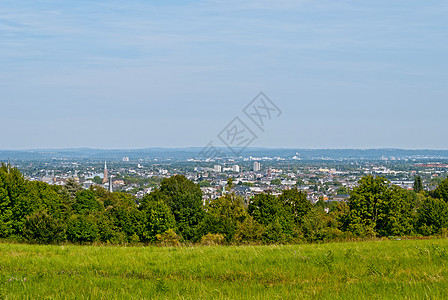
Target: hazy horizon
[{"x": 220, "y": 147}]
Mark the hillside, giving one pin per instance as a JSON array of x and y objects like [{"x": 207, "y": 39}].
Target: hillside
[{"x": 375, "y": 269}]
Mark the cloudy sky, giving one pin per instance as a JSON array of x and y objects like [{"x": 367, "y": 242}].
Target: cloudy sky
[{"x": 136, "y": 74}]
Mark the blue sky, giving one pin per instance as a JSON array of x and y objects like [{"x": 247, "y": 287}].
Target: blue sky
[{"x": 136, "y": 74}]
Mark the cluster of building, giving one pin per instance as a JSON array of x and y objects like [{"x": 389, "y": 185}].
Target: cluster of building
[
  {"x": 319, "y": 184},
  {"x": 320, "y": 181}
]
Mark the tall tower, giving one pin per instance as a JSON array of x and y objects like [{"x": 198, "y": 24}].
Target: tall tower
[
  {"x": 105, "y": 173},
  {"x": 110, "y": 184}
]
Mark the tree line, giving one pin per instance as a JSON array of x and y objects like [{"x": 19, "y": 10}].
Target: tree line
[{"x": 174, "y": 213}]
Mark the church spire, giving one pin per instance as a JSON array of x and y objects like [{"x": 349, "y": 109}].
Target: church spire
[{"x": 105, "y": 173}]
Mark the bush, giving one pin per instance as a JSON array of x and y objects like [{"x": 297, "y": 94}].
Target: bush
[
  {"x": 86, "y": 202},
  {"x": 211, "y": 239},
  {"x": 42, "y": 228},
  {"x": 168, "y": 238},
  {"x": 158, "y": 218},
  {"x": 273, "y": 233},
  {"x": 432, "y": 216},
  {"x": 82, "y": 229},
  {"x": 443, "y": 232},
  {"x": 249, "y": 231},
  {"x": 332, "y": 234},
  {"x": 108, "y": 232}
]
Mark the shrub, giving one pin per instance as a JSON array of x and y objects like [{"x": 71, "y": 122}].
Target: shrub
[
  {"x": 42, "y": 228},
  {"x": 108, "y": 232},
  {"x": 211, "y": 239},
  {"x": 158, "y": 218},
  {"x": 273, "y": 233},
  {"x": 168, "y": 238},
  {"x": 332, "y": 234},
  {"x": 432, "y": 216},
  {"x": 82, "y": 229},
  {"x": 249, "y": 231},
  {"x": 86, "y": 202}
]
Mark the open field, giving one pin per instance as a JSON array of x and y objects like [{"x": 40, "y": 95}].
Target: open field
[{"x": 377, "y": 269}]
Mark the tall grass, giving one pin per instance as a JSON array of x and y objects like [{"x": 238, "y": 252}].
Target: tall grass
[{"x": 377, "y": 270}]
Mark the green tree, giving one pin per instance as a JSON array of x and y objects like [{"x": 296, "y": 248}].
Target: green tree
[
  {"x": 86, "y": 202},
  {"x": 6, "y": 215},
  {"x": 72, "y": 187},
  {"x": 223, "y": 216},
  {"x": 296, "y": 203},
  {"x": 108, "y": 232},
  {"x": 317, "y": 226},
  {"x": 20, "y": 198},
  {"x": 43, "y": 228},
  {"x": 276, "y": 181},
  {"x": 158, "y": 218},
  {"x": 14, "y": 203},
  {"x": 365, "y": 202},
  {"x": 441, "y": 191},
  {"x": 249, "y": 231},
  {"x": 277, "y": 218},
  {"x": 5, "y": 212},
  {"x": 82, "y": 229},
  {"x": 154, "y": 196},
  {"x": 185, "y": 200},
  {"x": 124, "y": 214},
  {"x": 230, "y": 184},
  {"x": 397, "y": 213},
  {"x": 97, "y": 180},
  {"x": 342, "y": 191},
  {"x": 418, "y": 186},
  {"x": 432, "y": 216},
  {"x": 434, "y": 182},
  {"x": 204, "y": 183},
  {"x": 44, "y": 197},
  {"x": 376, "y": 208}
]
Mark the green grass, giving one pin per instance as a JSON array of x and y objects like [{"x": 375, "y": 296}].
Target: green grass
[{"x": 376, "y": 270}]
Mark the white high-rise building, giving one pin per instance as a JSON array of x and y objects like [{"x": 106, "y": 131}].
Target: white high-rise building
[
  {"x": 125, "y": 158},
  {"x": 235, "y": 168},
  {"x": 257, "y": 166},
  {"x": 217, "y": 168}
]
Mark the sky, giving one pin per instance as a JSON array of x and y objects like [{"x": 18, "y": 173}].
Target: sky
[{"x": 137, "y": 74}]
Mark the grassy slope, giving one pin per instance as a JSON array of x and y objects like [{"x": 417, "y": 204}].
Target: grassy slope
[{"x": 386, "y": 269}]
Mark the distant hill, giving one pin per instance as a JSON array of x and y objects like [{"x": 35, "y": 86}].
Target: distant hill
[{"x": 194, "y": 153}]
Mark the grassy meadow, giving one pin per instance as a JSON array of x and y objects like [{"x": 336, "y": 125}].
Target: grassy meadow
[{"x": 356, "y": 270}]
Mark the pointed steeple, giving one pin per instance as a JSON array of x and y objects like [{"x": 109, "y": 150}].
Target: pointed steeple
[{"x": 105, "y": 172}]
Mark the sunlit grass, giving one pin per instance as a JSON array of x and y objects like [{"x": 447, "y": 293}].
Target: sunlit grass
[{"x": 383, "y": 269}]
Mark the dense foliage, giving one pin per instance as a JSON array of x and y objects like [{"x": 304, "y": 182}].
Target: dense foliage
[{"x": 174, "y": 213}]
